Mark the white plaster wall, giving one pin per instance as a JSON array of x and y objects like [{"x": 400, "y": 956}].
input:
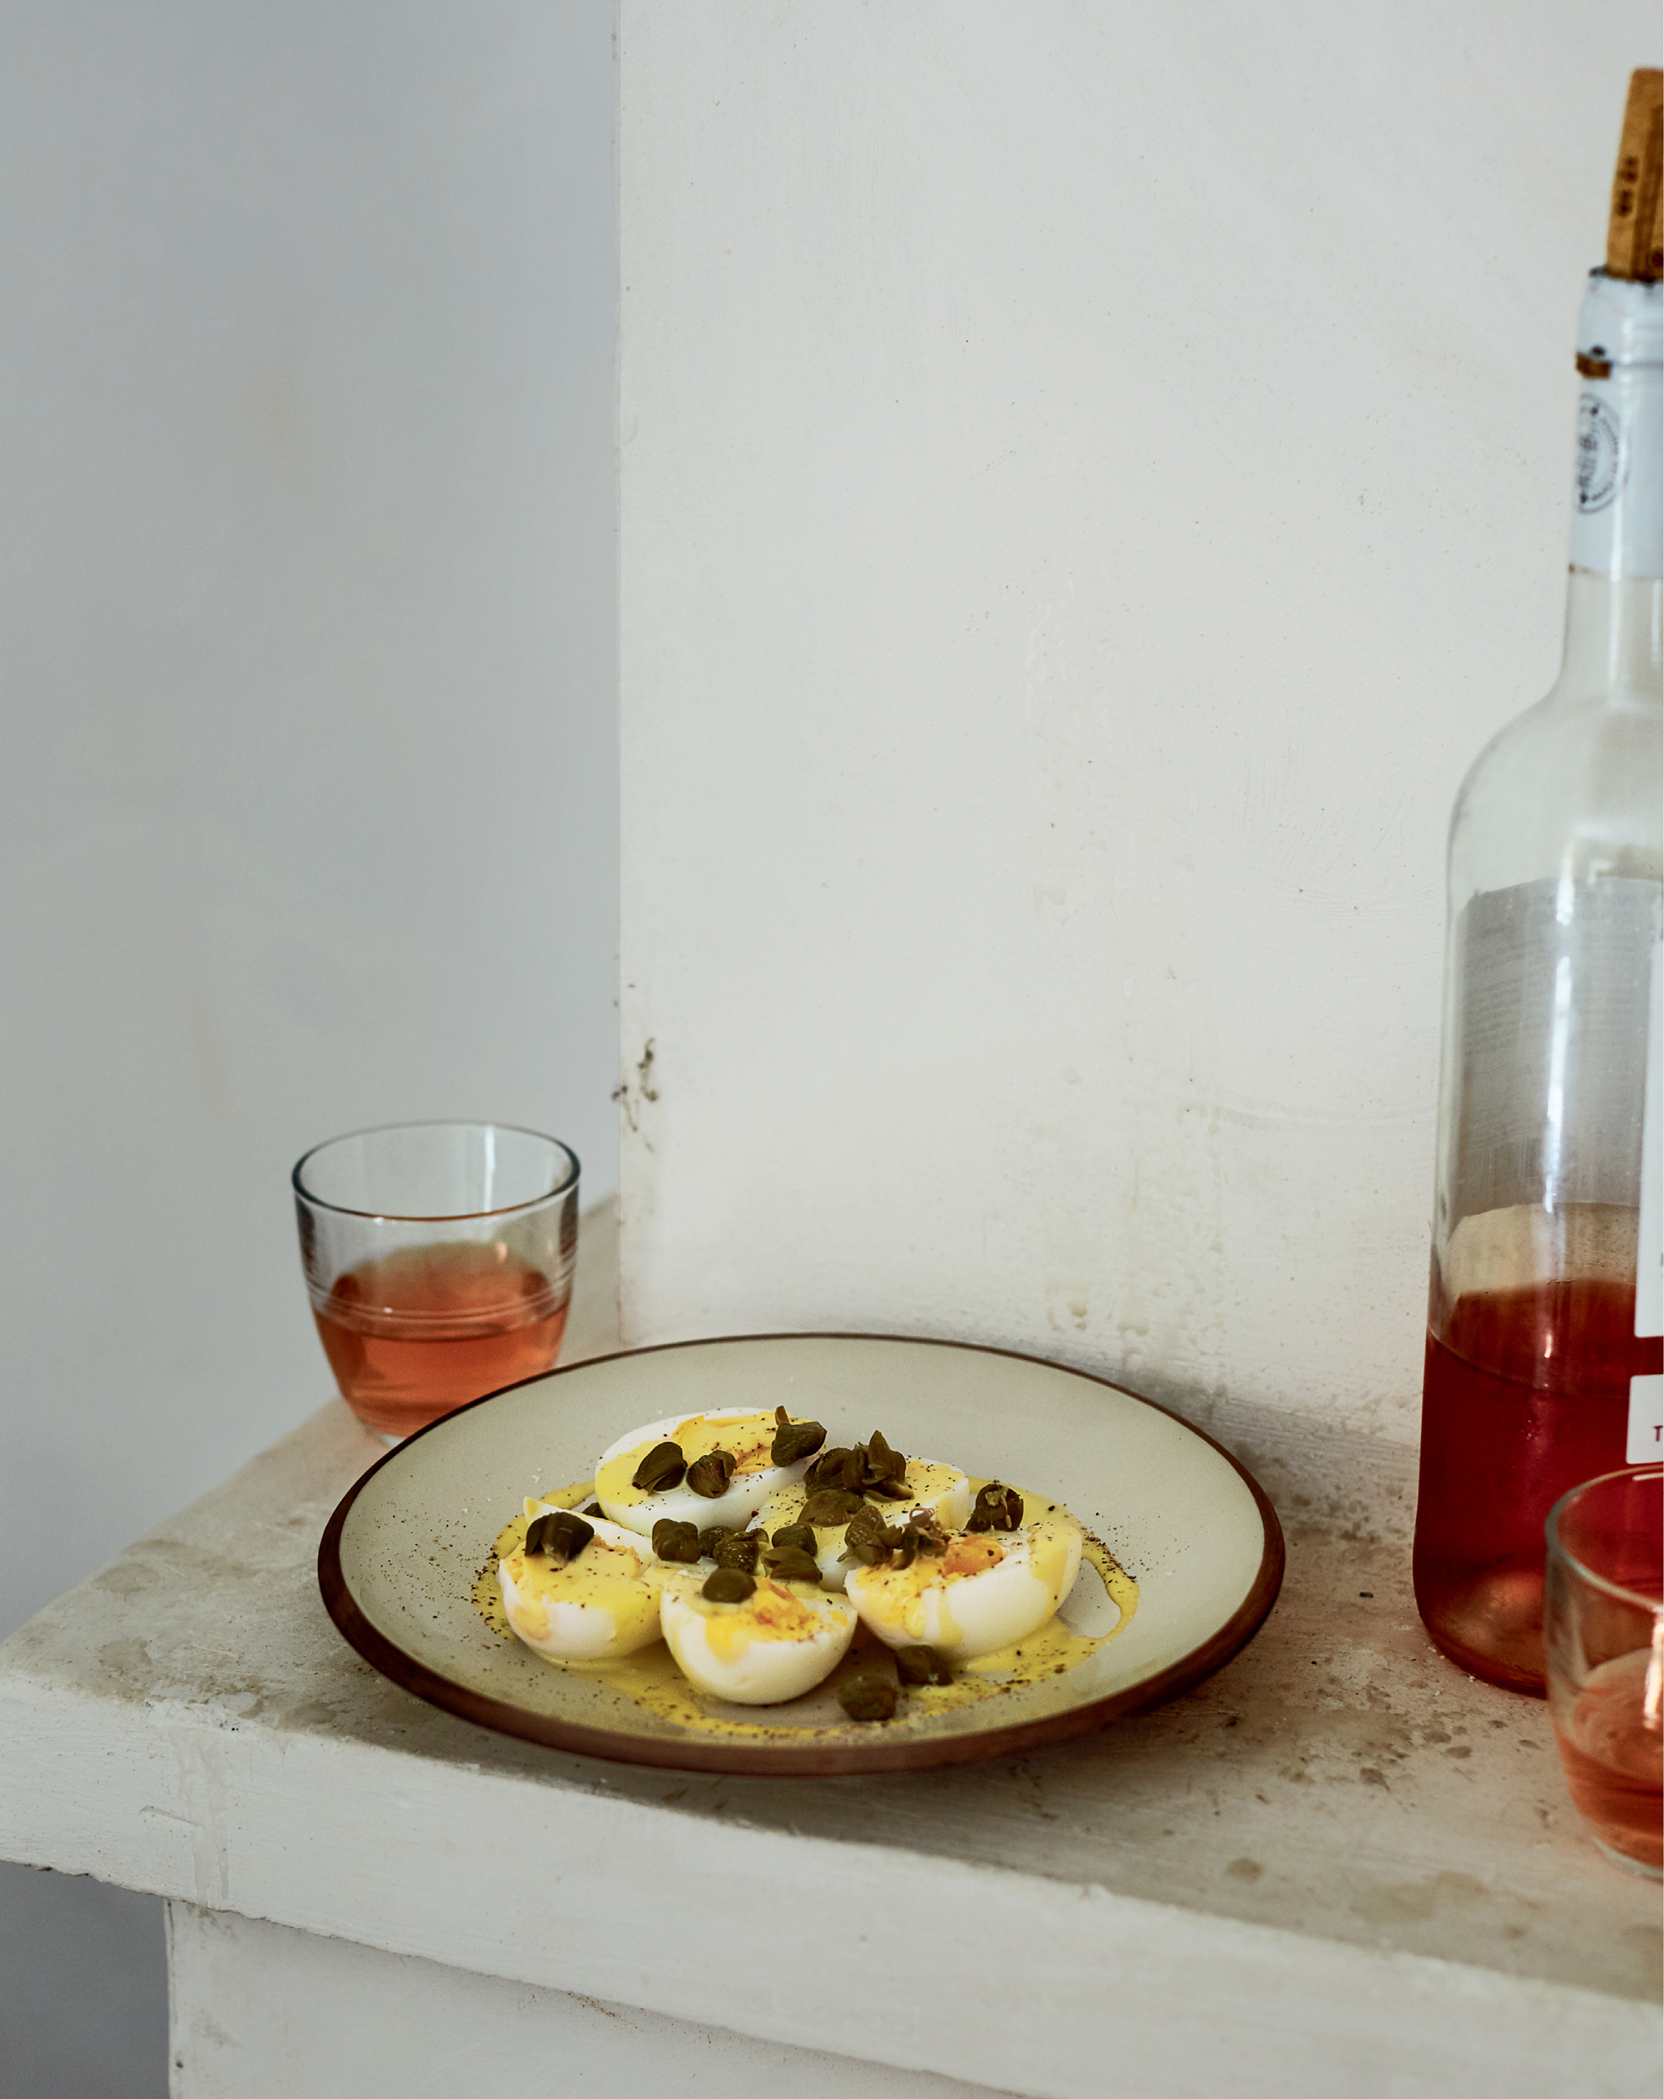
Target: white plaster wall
[
  {"x": 307, "y": 809},
  {"x": 1093, "y": 477}
]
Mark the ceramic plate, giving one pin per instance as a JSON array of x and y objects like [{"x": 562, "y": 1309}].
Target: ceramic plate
[{"x": 402, "y": 1550}]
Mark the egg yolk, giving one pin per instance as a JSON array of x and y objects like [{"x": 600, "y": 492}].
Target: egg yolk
[
  {"x": 772, "y": 1613},
  {"x": 897, "y": 1597},
  {"x": 972, "y": 1554},
  {"x": 748, "y": 1438},
  {"x": 605, "y": 1577}
]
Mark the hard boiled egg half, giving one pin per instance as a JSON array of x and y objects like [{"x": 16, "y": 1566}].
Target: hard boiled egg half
[
  {"x": 985, "y": 1591},
  {"x": 778, "y": 1642},
  {"x": 937, "y": 1490},
  {"x": 746, "y": 1438},
  {"x": 601, "y": 1603}
]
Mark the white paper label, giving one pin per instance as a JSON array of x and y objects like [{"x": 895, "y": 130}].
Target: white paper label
[
  {"x": 1649, "y": 1251},
  {"x": 1646, "y": 1419}
]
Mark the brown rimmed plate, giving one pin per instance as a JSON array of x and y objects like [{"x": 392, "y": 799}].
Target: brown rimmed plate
[{"x": 400, "y": 1553}]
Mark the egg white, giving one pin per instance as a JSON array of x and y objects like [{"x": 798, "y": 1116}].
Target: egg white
[
  {"x": 942, "y": 1492},
  {"x": 747, "y": 1491},
  {"x": 600, "y": 1605},
  {"x": 966, "y": 1615},
  {"x": 721, "y": 1649}
]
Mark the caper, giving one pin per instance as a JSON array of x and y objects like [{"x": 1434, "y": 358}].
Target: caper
[
  {"x": 827, "y": 1507},
  {"x": 798, "y": 1534},
  {"x": 591, "y": 1508},
  {"x": 739, "y": 1549},
  {"x": 921, "y": 1665},
  {"x": 712, "y": 1537},
  {"x": 835, "y": 1468},
  {"x": 868, "y": 1697},
  {"x": 997, "y": 1509},
  {"x": 728, "y": 1585},
  {"x": 662, "y": 1468},
  {"x": 883, "y": 1463},
  {"x": 708, "y": 1476},
  {"x": 889, "y": 1490},
  {"x": 921, "y": 1533},
  {"x": 867, "y": 1537},
  {"x": 794, "y": 1440},
  {"x": 675, "y": 1541},
  {"x": 791, "y": 1565},
  {"x": 866, "y": 1526},
  {"x": 560, "y": 1536}
]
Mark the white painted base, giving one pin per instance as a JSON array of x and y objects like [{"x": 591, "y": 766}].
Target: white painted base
[{"x": 263, "y": 2012}]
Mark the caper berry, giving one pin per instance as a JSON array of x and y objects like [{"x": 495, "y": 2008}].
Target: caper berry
[
  {"x": 867, "y": 1538},
  {"x": 921, "y": 1665},
  {"x": 662, "y": 1468},
  {"x": 866, "y": 1527},
  {"x": 794, "y": 1440},
  {"x": 791, "y": 1565},
  {"x": 675, "y": 1541},
  {"x": 739, "y": 1549},
  {"x": 827, "y": 1507},
  {"x": 837, "y": 1468},
  {"x": 708, "y": 1476},
  {"x": 997, "y": 1509},
  {"x": 559, "y": 1536},
  {"x": 883, "y": 1463},
  {"x": 868, "y": 1697},
  {"x": 932, "y": 1537}
]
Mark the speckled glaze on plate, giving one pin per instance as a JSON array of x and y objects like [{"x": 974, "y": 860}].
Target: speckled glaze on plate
[{"x": 1192, "y": 1526}]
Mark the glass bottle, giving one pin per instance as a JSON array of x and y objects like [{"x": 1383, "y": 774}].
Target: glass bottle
[{"x": 1542, "y": 1366}]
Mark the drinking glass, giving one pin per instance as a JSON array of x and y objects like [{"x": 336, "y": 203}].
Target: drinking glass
[
  {"x": 438, "y": 1259},
  {"x": 1603, "y": 1634}
]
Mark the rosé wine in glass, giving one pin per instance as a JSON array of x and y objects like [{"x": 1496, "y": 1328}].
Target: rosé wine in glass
[
  {"x": 1603, "y": 1638},
  {"x": 438, "y": 1260}
]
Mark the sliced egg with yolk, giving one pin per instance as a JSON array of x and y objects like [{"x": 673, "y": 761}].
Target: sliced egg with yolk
[
  {"x": 987, "y": 1590},
  {"x": 746, "y": 1437},
  {"x": 940, "y": 1490},
  {"x": 601, "y": 1604},
  {"x": 785, "y": 1638}
]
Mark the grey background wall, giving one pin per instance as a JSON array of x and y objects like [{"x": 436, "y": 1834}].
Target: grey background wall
[{"x": 309, "y": 793}]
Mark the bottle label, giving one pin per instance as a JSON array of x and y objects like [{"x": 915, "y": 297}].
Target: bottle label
[
  {"x": 1550, "y": 1046},
  {"x": 1646, "y": 1420}
]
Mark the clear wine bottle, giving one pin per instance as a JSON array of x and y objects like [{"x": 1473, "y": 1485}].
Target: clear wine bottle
[{"x": 1543, "y": 1357}]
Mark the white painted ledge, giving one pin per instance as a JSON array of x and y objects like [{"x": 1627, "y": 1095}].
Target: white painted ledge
[
  {"x": 1338, "y": 1865},
  {"x": 264, "y": 2012}
]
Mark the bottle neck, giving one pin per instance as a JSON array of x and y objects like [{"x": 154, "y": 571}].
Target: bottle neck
[
  {"x": 1617, "y": 524},
  {"x": 1614, "y": 635}
]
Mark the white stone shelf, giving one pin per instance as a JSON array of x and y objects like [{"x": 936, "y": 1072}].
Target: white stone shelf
[{"x": 1339, "y": 1866}]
